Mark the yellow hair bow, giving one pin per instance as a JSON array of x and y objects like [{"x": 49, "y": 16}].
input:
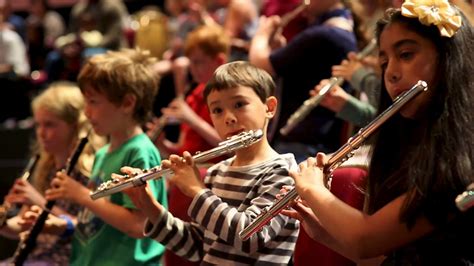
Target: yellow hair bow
[{"x": 434, "y": 12}]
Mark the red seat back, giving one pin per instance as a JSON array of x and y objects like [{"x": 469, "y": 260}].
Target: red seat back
[{"x": 346, "y": 184}]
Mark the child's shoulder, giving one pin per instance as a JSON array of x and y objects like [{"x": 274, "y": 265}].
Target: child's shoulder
[{"x": 138, "y": 148}]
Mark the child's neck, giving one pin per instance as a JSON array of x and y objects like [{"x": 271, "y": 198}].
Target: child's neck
[
  {"x": 257, "y": 153},
  {"x": 121, "y": 136}
]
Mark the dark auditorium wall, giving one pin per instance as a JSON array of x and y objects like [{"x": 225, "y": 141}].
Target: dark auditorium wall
[{"x": 14, "y": 153}]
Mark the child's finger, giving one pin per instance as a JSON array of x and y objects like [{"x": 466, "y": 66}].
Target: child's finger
[
  {"x": 311, "y": 161},
  {"x": 188, "y": 157},
  {"x": 321, "y": 159},
  {"x": 291, "y": 213},
  {"x": 130, "y": 170},
  {"x": 166, "y": 164},
  {"x": 293, "y": 174}
]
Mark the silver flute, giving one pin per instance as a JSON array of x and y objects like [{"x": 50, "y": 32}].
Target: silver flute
[
  {"x": 337, "y": 158},
  {"x": 234, "y": 143},
  {"x": 158, "y": 129},
  {"x": 314, "y": 101},
  {"x": 465, "y": 200}
]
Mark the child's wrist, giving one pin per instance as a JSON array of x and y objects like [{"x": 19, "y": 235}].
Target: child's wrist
[
  {"x": 192, "y": 191},
  {"x": 83, "y": 197},
  {"x": 69, "y": 229}
]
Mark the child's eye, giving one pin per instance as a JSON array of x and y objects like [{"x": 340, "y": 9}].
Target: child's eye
[
  {"x": 216, "y": 110},
  {"x": 239, "y": 104},
  {"x": 406, "y": 55},
  {"x": 383, "y": 65}
]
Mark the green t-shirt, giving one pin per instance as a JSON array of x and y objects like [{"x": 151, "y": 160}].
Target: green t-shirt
[{"x": 97, "y": 243}]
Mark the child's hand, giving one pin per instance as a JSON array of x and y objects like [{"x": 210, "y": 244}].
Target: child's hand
[
  {"x": 348, "y": 67},
  {"x": 180, "y": 110},
  {"x": 138, "y": 195},
  {"x": 308, "y": 219},
  {"x": 267, "y": 26},
  {"x": 23, "y": 192},
  {"x": 141, "y": 196},
  {"x": 65, "y": 187},
  {"x": 310, "y": 174},
  {"x": 371, "y": 61},
  {"x": 334, "y": 100},
  {"x": 186, "y": 175},
  {"x": 28, "y": 219},
  {"x": 53, "y": 224}
]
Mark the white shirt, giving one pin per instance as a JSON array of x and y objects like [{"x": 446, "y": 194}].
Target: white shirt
[{"x": 13, "y": 51}]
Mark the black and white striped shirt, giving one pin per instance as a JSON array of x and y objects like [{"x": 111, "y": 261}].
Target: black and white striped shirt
[{"x": 235, "y": 197}]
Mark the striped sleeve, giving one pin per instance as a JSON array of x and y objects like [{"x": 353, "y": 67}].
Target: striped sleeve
[
  {"x": 182, "y": 238},
  {"x": 225, "y": 221}
]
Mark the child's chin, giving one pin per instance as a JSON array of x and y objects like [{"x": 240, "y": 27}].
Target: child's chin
[{"x": 408, "y": 113}]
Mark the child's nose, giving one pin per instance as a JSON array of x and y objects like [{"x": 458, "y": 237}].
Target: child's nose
[
  {"x": 229, "y": 118},
  {"x": 392, "y": 73}
]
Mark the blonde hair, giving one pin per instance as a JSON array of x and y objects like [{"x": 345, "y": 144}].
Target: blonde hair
[
  {"x": 211, "y": 39},
  {"x": 65, "y": 100},
  {"x": 118, "y": 73}
]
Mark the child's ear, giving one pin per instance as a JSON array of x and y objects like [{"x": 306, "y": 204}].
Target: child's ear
[
  {"x": 129, "y": 102},
  {"x": 272, "y": 104}
]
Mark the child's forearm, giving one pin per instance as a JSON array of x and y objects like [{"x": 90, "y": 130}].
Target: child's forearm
[
  {"x": 152, "y": 209},
  {"x": 173, "y": 233},
  {"x": 125, "y": 220},
  {"x": 361, "y": 236}
]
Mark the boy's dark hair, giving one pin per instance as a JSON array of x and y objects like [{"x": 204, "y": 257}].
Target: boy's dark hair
[
  {"x": 437, "y": 165},
  {"x": 241, "y": 73},
  {"x": 117, "y": 74}
]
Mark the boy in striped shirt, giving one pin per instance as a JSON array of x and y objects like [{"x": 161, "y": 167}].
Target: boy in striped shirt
[{"x": 235, "y": 191}]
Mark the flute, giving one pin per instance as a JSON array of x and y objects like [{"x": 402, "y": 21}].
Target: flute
[
  {"x": 287, "y": 18},
  {"x": 156, "y": 132},
  {"x": 465, "y": 200},
  {"x": 162, "y": 122},
  {"x": 314, "y": 101},
  {"x": 6, "y": 207},
  {"x": 27, "y": 245},
  {"x": 236, "y": 142},
  {"x": 340, "y": 156}
]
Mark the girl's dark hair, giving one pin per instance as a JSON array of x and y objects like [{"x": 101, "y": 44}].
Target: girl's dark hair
[{"x": 430, "y": 159}]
